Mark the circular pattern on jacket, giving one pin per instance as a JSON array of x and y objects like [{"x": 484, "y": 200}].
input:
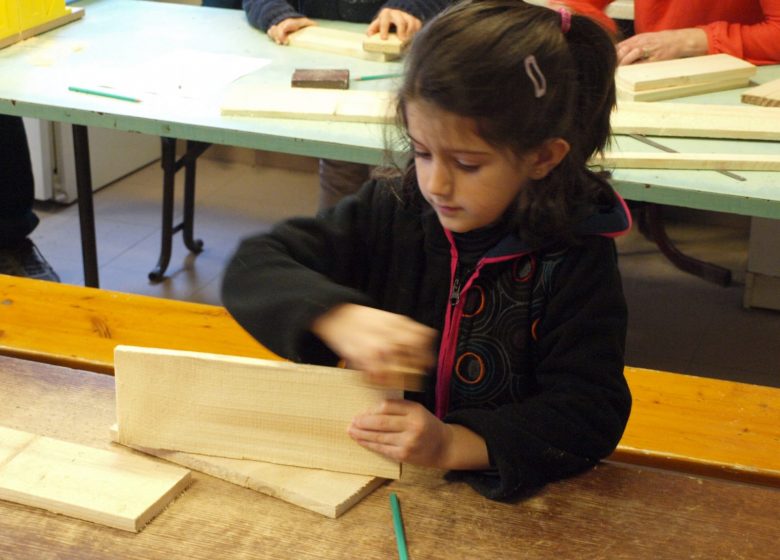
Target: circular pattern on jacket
[
  {"x": 481, "y": 373},
  {"x": 475, "y": 301}
]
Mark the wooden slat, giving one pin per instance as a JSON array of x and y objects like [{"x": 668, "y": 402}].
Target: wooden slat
[
  {"x": 767, "y": 95},
  {"x": 347, "y": 43},
  {"x": 114, "y": 489},
  {"x": 683, "y": 71},
  {"x": 243, "y": 408},
  {"x": 91, "y": 322},
  {"x": 392, "y": 45},
  {"x": 73, "y": 15},
  {"x": 704, "y": 426},
  {"x": 733, "y": 162},
  {"x": 307, "y": 104},
  {"x": 680, "y": 91},
  {"x": 326, "y": 492},
  {"x": 697, "y": 121}
]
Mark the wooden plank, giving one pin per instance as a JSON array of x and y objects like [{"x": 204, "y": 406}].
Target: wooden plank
[
  {"x": 115, "y": 489},
  {"x": 645, "y": 160},
  {"x": 392, "y": 45},
  {"x": 307, "y": 104},
  {"x": 682, "y": 71},
  {"x": 680, "y": 91},
  {"x": 324, "y": 39},
  {"x": 242, "y": 408},
  {"x": 325, "y": 492},
  {"x": 91, "y": 322},
  {"x": 767, "y": 95},
  {"x": 694, "y": 120},
  {"x": 702, "y": 426}
]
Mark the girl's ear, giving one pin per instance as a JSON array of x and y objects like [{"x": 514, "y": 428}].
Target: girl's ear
[{"x": 547, "y": 156}]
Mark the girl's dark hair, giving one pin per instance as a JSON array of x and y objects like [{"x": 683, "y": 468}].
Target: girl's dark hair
[{"x": 470, "y": 61}]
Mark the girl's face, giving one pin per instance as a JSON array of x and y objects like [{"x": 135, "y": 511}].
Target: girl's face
[{"x": 467, "y": 181}]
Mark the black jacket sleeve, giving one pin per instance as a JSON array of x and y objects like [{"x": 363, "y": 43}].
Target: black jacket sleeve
[
  {"x": 582, "y": 402},
  {"x": 277, "y": 283},
  {"x": 266, "y": 13}
]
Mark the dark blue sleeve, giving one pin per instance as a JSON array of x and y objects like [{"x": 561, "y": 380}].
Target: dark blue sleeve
[
  {"x": 266, "y": 13},
  {"x": 421, "y": 9}
]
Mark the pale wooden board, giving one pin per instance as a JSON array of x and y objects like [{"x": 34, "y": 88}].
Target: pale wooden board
[
  {"x": 347, "y": 43},
  {"x": 243, "y": 99},
  {"x": 392, "y": 45},
  {"x": 75, "y": 13},
  {"x": 767, "y": 95},
  {"x": 739, "y": 122},
  {"x": 733, "y": 162},
  {"x": 682, "y": 71},
  {"x": 115, "y": 489},
  {"x": 680, "y": 91},
  {"x": 244, "y": 408},
  {"x": 325, "y": 492}
]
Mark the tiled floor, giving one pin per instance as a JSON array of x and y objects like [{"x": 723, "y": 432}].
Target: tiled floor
[{"x": 677, "y": 322}]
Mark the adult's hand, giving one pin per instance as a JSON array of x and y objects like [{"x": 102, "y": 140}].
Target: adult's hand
[{"x": 662, "y": 45}]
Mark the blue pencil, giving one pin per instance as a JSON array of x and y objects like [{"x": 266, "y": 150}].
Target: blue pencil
[{"x": 398, "y": 525}]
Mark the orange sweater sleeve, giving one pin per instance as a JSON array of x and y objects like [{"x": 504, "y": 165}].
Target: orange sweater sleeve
[
  {"x": 757, "y": 43},
  {"x": 593, "y": 9}
]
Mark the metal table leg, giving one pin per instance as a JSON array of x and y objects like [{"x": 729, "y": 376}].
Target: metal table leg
[
  {"x": 170, "y": 166},
  {"x": 85, "y": 203}
]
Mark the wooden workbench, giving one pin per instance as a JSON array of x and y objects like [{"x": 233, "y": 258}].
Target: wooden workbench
[{"x": 614, "y": 511}]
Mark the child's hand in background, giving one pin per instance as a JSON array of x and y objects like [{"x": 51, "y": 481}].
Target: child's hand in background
[
  {"x": 376, "y": 342},
  {"x": 281, "y": 30},
  {"x": 406, "y": 25}
]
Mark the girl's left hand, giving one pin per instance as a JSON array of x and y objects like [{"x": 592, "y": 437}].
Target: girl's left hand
[
  {"x": 406, "y": 25},
  {"x": 662, "y": 45},
  {"x": 404, "y": 431}
]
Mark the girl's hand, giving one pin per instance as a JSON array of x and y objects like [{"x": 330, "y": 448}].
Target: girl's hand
[
  {"x": 281, "y": 30},
  {"x": 377, "y": 342},
  {"x": 662, "y": 45},
  {"x": 406, "y": 431},
  {"x": 406, "y": 25}
]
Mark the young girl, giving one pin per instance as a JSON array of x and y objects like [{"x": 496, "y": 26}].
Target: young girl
[{"x": 491, "y": 262}]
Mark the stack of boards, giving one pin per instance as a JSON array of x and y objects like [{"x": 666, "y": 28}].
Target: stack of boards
[
  {"x": 274, "y": 427},
  {"x": 348, "y": 43},
  {"x": 669, "y": 79}
]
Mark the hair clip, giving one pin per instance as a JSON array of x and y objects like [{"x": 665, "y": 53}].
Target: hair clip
[
  {"x": 535, "y": 75},
  {"x": 565, "y": 20}
]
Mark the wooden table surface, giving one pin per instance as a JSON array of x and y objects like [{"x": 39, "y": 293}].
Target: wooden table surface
[{"x": 613, "y": 511}]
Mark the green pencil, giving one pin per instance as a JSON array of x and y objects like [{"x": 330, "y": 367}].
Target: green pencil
[
  {"x": 376, "y": 77},
  {"x": 398, "y": 525},
  {"x": 104, "y": 94}
]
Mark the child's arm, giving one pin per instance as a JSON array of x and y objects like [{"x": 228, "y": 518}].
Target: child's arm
[
  {"x": 264, "y": 14},
  {"x": 406, "y": 431}
]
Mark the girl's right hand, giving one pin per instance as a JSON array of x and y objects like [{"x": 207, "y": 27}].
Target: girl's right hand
[
  {"x": 376, "y": 342},
  {"x": 281, "y": 30}
]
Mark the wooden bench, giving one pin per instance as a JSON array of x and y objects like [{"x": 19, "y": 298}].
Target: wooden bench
[{"x": 680, "y": 422}]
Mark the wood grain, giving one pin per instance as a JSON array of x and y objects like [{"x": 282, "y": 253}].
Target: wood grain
[
  {"x": 696, "y": 121},
  {"x": 766, "y": 95},
  {"x": 392, "y": 45},
  {"x": 614, "y": 512},
  {"x": 243, "y": 408},
  {"x": 680, "y": 91},
  {"x": 113, "y": 489},
  {"x": 715, "y": 161},
  {"x": 683, "y": 72},
  {"x": 307, "y": 104},
  {"x": 326, "y": 492},
  {"x": 347, "y": 43}
]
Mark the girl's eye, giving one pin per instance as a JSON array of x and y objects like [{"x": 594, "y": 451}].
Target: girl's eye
[
  {"x": 467, "y": 166},
  {"x": 422, "y": 155}
]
